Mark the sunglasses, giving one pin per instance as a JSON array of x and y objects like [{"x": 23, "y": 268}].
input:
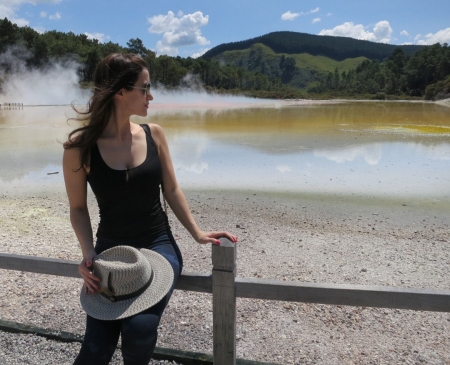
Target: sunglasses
[{"x": 146, "y": 88}]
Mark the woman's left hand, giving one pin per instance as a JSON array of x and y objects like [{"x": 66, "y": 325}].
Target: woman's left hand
[{"x": 213, "y": 237}]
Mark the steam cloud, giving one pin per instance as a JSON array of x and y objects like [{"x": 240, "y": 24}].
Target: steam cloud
[
  {"x": 192, "y": 93},
  {"x": 56, "y": 84}
]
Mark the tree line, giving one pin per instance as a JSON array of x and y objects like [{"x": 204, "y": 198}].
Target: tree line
[{"x": 424, "y": 74}]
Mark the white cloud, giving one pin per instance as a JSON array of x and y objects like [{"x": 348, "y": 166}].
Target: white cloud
[
  {"x": 98, "y": 36},
  {"x": 40, "y": 30},
  {"x": 9, "y": 8},
  {"x": 178, "y": 31},
  {"x": 316, "y": 20},
  {"x": 404, "y": 32},
  {"x": 291, "y": 16},
  {"x": 200, "y": 53},
  {"x": 21, "y": 22},
  {"x": 43, "y": 14},
  {"x": 6, "y": 11},
  {"x": 380, "y": 33},
  {"x": 442, "y": 36},
  {"x": 165, "y": 49},
  {"x": 56, "y": 16}
]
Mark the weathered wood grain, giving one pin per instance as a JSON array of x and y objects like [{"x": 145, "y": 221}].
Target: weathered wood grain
[
  {"x": 343, "y": 294},
  {"x": 224, "y": 303}
]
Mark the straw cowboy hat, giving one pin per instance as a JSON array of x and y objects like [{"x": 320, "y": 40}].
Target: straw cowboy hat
[{"x": 131, "y": 281}]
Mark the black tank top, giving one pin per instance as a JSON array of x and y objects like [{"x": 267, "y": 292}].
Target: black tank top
[{"x": 129, "y": 200}]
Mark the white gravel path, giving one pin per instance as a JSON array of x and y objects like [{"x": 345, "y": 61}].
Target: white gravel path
[{"x": 309, "y": 239}]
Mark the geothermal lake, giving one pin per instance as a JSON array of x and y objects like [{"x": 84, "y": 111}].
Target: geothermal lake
[{"x": 371, "y": 149}]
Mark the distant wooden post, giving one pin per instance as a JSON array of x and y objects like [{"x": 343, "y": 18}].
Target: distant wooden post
[{"x": 224, "y": 302}]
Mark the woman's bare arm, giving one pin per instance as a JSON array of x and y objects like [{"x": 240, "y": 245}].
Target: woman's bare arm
[{"x": 76, "y": 187}]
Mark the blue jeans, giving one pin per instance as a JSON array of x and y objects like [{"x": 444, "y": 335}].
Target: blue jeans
[{"x": 139, "y": 332}]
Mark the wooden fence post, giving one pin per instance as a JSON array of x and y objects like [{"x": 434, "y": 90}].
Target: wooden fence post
[{"x": 224, "y": 302}]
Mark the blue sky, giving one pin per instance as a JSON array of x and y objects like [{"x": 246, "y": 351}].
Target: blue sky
[{"x": 189, "y": 28}]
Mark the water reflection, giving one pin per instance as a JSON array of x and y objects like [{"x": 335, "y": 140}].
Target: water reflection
[
  {"x": 370, "y": 153},
  {"x": 432, "y": 151},
  {"x": 348, "y": 148},
  {"x": 30, "y": 144},
  {"x": 382, "y": 169},
  {"x": 188, "y": 151}
]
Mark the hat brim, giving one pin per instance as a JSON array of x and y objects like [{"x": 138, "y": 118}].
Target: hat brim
[{"x": 99, "y": 307}]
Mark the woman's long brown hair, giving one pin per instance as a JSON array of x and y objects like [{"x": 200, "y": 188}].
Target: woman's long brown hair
[{"x": 114, "y": 72}]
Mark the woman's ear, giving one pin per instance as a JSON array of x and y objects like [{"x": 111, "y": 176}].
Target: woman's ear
[{"x": 119, "y": 95}]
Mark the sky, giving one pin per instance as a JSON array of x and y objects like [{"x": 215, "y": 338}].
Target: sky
[{"x": 190, "y": 28}]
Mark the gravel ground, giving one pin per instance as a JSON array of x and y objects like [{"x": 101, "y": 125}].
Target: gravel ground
[
  {"x": 39, "y": 350},
  {"x": 330, "y": 239}
]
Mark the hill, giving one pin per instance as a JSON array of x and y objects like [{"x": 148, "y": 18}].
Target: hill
[
  {"x": 336, "y": 48},
  {"x": 300, "y": 59},
  {"x": 297, "y": 70}
]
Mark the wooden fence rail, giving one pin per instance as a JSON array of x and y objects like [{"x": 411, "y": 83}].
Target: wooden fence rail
[{"x": 225, "y": 288}]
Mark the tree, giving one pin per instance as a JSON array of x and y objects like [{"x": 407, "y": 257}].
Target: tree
[
  {"x": 93, "y": 58},
  {"x": 135, "y": 45},
  {"x": 29, "y": 36},
  {"x": 336, "y": 81},
  {"x": 9, "y": 34},
  {"x": 108, "y": 48},
  {"x": 287, "y": 72},
  {"x": 41, "y": 52}
]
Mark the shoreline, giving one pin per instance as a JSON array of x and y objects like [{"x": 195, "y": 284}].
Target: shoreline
[
  {"x": 444, "y": 102},
  {"x": 307, "y": 239},
  {"x": 261, "y": 102}
]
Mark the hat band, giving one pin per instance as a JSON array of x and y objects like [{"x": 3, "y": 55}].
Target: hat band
[{"x": 117, "y": 298}]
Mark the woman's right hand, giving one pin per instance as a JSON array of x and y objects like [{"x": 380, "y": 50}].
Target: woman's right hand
[{"x": 85, "y": 270}]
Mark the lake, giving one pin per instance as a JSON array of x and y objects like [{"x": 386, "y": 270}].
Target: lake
[{"x": 376, "y": 149}]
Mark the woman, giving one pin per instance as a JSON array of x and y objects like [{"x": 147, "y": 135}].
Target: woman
[{"x": 125, "y": 164}]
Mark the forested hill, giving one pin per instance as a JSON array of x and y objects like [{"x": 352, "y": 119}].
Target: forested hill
[{"x": 337, "y": 48}]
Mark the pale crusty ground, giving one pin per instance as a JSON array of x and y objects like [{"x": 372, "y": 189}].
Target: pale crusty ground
[{"x": 335, "y": 239}]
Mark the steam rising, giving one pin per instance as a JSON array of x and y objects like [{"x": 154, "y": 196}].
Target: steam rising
[
  {"x": 192, "y": 95},
  {"x": 56, "y": 84}
]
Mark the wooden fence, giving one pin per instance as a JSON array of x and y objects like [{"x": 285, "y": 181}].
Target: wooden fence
[{"x": 225, "y": 288}]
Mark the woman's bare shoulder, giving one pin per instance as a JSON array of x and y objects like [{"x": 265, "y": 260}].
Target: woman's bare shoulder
[
  {"x": 155, "y": 128},
  {"x": 72, "y": 160},
  {"x": 71, "y": 153},
  {"x": 157, "y": 133}
]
